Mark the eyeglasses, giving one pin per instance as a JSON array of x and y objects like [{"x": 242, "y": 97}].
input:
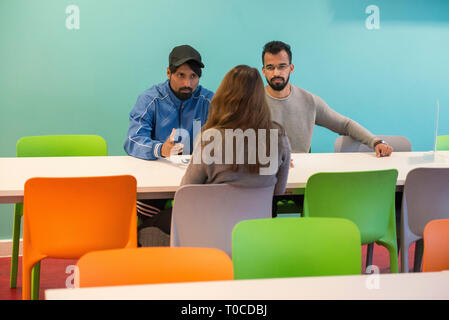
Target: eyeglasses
[{"x": 281, "y": 67}]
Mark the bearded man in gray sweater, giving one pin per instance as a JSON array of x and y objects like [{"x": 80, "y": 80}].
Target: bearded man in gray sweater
[{"x": 299, "y": 110}]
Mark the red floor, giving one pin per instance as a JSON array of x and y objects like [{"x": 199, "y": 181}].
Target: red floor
[
  {"x": 53, "y": 275},
  {"x": 53, "y": 272}
]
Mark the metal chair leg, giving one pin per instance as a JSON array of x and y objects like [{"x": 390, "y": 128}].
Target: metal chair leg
[
  {"x": 369, "y": 254},
  {"x": 419, "y": 248}
]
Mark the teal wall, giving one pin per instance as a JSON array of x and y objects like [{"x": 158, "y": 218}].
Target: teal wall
[{"x": 59, "y": 81}]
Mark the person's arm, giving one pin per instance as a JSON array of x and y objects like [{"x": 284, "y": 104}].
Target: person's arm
[
  {"x": 282, "y": 174},
  {"x": 196, "y": 171},
  {"x": 328, "y": 118},
  {"x": 195, "y": 174},
  {"x": 139, "y": 143}
]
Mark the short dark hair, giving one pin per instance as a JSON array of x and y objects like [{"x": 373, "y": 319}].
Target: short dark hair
[
  {"x": 274, "y": 47},
  {"x": 192, "y": 64}
]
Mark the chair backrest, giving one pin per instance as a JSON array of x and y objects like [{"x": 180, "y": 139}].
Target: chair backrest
[
  {"x": 152, "y": 265},
  {"x": 295, "y": 247},
  {"x": 204, "y": 215},
  {"x": 61, "y": 146},
  {"x": 425, "y": 198},
  {"x": 347, "y": 144},
  {"x": 443, "y": 142},
  {"x": 68, "y": 217},
  {"x": 365, "y": 197},
  {"x": 436, "y": 246}
]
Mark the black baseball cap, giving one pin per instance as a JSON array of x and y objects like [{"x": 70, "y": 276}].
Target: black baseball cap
[{"x": 181, "y": 54}]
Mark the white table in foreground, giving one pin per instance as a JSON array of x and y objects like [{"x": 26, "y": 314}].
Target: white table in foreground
[
  {"x": 161, "y": 178},
  {"x": 404, "y": 286}
]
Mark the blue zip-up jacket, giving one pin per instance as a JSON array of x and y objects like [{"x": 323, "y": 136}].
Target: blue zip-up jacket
[{"x": 157, "y": 112}]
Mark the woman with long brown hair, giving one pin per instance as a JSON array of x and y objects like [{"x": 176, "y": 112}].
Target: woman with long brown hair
[{"x": 239, "y": 113}]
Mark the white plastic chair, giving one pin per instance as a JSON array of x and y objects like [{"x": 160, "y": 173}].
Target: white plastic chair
[
  {"x": 426, "y": 198},
  {"x": 205, "y": 215},
  {"x": 347, "y": 144}
]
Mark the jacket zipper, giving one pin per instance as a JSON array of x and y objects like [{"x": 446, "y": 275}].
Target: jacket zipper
[{"x": 180, "y": 115}]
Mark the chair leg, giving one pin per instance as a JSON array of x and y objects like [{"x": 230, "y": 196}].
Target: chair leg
[
  {"x": 393, "y": 251},
  {"x": 394, "y": 260},
  {"x": 419, "y": 248},
  {"x": 390, "y": 242},
  {"x": 404, "y": 256},
  {"x": 398, "y": 216},
  {"x": 15, "y": 244},
  {"x": 35, "y": 281},
  {"x": 369, "y": 254},
  {"x": 26, "y": 281},
  {"x": 27, "y": 275}
]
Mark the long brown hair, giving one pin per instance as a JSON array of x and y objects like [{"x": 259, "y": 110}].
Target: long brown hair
[{"x": 240, "y": 103}]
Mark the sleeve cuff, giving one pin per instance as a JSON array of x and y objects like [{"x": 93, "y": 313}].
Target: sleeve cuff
[
  {"x": 157, "y": 150},
  {"x": 372, "y": 142}
]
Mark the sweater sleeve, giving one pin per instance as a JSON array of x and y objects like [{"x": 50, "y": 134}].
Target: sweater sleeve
[
  {"x": 196, "y": 172},
  {"x": 332, "y": 120}
]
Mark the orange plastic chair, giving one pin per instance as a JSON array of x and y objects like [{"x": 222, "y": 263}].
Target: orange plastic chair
[
  {"x": 152, "y": 265},
  {"x": 66, "y": 218},
  {"x": 436, "y": 246}
]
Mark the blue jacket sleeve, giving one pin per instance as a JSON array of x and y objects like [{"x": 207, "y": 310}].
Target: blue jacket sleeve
[{"x": 139, "y": 143}]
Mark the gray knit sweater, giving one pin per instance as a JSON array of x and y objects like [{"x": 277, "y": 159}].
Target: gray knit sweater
[
  {"x": 199, "y": 172},
  {"x": 301, "y": 110}
]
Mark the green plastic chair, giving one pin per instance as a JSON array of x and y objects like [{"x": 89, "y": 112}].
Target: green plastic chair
[
  {"x": 49, "y": 146},
  {"x": 367, "y": 198},
  {"x": 443, "y": 143},
  {"x": 295, "y": 247}
]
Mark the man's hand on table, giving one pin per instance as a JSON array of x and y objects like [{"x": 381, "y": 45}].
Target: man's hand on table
[
  {"x": 383, "y": 150},
  {"x": 169, "y": 147}
]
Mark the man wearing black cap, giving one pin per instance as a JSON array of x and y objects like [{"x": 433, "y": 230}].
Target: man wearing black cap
[
  {"x": 164, "y": 116},
  {"x": 174, "y": 104}
]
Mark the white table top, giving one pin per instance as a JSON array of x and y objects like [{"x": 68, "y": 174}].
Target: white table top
[
  {"x": 161, "y": 178},
  {"x": 432, "y": 285}
]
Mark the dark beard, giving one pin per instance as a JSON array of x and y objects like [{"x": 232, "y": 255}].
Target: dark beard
[
  {"x": 182, "y": 95},
  {"x": 280, "y": 86}
]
